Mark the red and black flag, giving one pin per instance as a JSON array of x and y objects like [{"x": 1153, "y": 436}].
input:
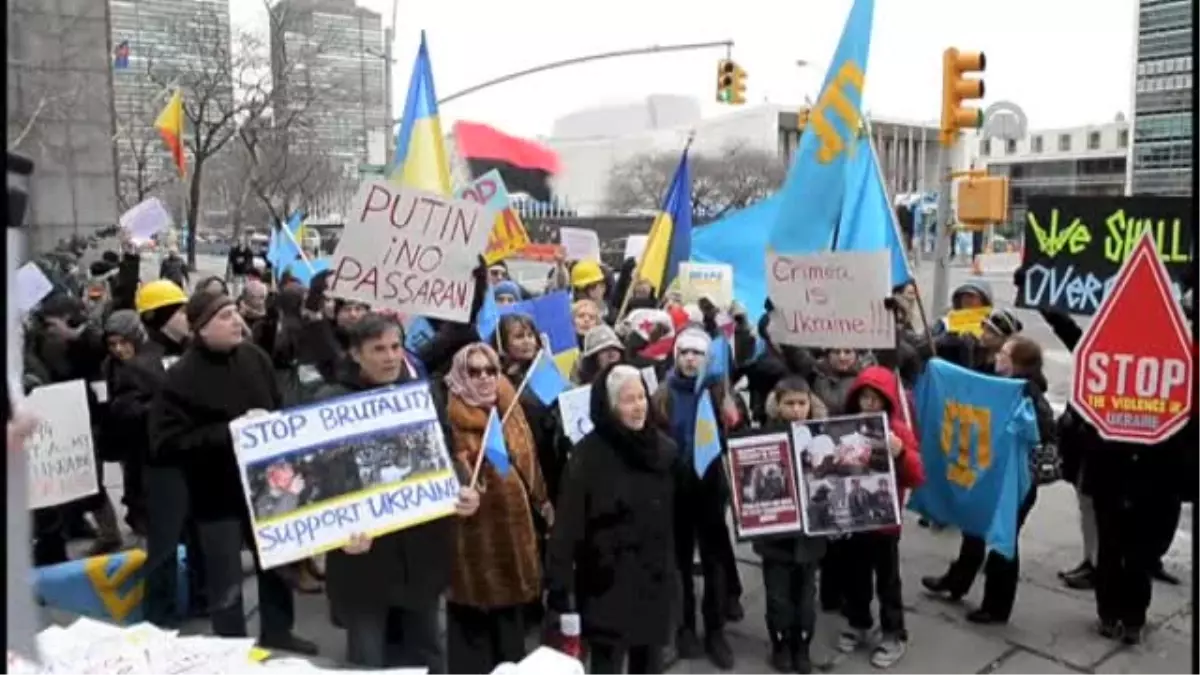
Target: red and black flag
[{"x": 524, "y": 165}]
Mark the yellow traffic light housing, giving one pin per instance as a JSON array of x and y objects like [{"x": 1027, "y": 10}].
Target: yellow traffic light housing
[
  {"x": 731, "y": 83},
  {"x": 802, "y": 118},
  {"x": 982, "y": 200},
  {"x": 957, "y": 89}
]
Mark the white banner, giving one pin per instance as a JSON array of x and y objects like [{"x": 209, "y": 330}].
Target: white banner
[
  {"x": 831, "y": 299},
  {"x": 411, "y": 251},
  {"x": 714, "y": 280},
  {"x": 369, "y": 463},
  {"x": 61, "y": 457}
]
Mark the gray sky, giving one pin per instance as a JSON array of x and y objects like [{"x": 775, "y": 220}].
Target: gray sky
[{"x": 1066, "y": 62}]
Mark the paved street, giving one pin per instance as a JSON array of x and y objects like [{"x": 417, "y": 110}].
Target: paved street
[{"x": 1050, "y": 631}]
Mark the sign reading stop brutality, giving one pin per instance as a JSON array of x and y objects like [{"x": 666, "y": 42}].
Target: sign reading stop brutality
[
  {"x": 1133, "y": 366},
  {"x": 1075, "y": 245},
  {"x": 62, "y": 465},
  {"x": 410, "y": 250},
  {"x": 833, "y": 299},
  {"x": 369, "y": 463}
]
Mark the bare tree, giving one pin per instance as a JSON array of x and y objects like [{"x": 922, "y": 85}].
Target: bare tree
[
  {"x": 734, "y": 178},
  {"x": 143, "y": 167}
]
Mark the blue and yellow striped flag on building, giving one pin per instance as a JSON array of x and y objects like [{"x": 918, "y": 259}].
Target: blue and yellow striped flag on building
[{"x": 420, "y": 160}]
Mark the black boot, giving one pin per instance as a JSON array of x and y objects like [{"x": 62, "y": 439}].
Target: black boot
[
  {"x": 801, "y": 658},
  {"x": 781, "y": 652},
  {"x": 687, "y": 645},
  {"x": 941, "y": 585},
  {"x": 719, "y": 651}
]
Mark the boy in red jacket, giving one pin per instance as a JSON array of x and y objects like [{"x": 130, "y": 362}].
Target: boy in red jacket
[{"x": 873, "y": 558}]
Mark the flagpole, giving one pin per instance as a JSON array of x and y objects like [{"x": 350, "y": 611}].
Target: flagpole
[
  {"x": 511, "y": 406},
  {"x": 479, "y": 460},
  {"x": 521, "y": 388},
  {"x": 637, "y": 271}
]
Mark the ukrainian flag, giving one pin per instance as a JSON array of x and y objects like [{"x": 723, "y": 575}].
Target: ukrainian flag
[
  {"x": 420, "y": 161},
  {"x": 670, "y": 239},
  {"x": 812, "y": 194}
]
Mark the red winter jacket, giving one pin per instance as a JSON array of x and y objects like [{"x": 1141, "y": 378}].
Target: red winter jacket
[{"x": 910, "y": 472}]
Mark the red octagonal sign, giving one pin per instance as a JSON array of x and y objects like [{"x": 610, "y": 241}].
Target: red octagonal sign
[{"x": 1133, "y": 367}]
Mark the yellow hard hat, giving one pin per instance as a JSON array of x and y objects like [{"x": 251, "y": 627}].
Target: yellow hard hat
[
  {"x": 585, "y": 273},
  {"x": 156, "y": 294}
]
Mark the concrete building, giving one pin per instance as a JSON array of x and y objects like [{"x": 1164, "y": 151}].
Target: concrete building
[
  {"x": 340, "y": 89},
  {"x": 1163, "y": 79},
  {"x": 593, "y": 141},
  {"x": 60, "y": 114},
  {"x": 1087, "y": 160},
  {"x": 168, "y": 41}
]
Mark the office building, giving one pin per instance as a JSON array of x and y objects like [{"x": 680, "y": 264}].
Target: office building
[
  {"x": 60, "y": 115},
  {"x": 1163, "y": 131}
]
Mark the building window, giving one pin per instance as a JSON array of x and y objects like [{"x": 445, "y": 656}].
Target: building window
[
  {"x": 1036, "y": 144},
  {"x": 1064, "y": 142},
  {"x": 985, "y": 147},
  {"x": 1123, "y": 138},
  {"x": 1010, "y": 147},
  {"x": 1093, "y": 140}
]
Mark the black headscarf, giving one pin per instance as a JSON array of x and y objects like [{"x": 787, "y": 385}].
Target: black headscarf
[{"x": 645, "y": 447}]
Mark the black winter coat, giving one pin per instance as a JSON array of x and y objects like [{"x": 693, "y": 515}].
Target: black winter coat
[
  {"x": 410, "y": 568},
  {"x": 189, "y": 422},
  {"x": 613, "y": 539}
]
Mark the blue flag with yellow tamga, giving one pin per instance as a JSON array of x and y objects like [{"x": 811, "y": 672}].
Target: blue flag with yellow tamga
[
  {"x": 706, "y": 442},
  {"x": 977, "y": 432},
  {"x": 106, "y": 587},
  {"x": 494, "y": 447}
]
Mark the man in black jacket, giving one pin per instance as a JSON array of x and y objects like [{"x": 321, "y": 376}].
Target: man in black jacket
[{"x": 222, "y": 377}]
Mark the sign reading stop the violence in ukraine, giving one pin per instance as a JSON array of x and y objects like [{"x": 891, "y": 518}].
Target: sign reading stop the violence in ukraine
[{"x": 1133, "y": 367}]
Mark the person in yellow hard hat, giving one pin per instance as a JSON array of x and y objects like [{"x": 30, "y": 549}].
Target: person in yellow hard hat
[
  {"x": 589, "y": 282},
  {"x": 137, "y": 373}
]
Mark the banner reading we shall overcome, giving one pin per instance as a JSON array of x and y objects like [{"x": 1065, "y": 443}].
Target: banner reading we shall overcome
[
  {"x": 411, "y": 251},
  {"x": 369, "y": 463}
]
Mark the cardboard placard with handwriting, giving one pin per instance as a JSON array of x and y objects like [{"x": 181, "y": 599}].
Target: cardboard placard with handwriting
[{"x": 1074, "y": 246}]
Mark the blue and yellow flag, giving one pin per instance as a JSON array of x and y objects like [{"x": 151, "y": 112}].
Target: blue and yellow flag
[
  {"x": 418, "y": 334},
  {"x": 495, "y": 450},
  {"x": 670, "y": 240},
  {"x": 551, "y": 314},
  {"x": 812, "y": 193},
  {"x": 977, "y": 432},
  {"x": 544, "y": 379},
  {"x": 420, "y": 159},
  {"x": 107, "y": 587},
  {"x": 706, "y": 442},
  {"x": 283, "y": 248},
  {"x": 868, "y": 222}
]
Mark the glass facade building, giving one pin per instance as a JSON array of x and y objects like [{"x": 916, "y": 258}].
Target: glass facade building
[{"x": 1163, "y": 132}]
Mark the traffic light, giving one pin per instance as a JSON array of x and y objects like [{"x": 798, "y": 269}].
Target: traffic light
[
  {"x": 731, "y": 83},
  {"x": 956, "y": 89},
  {"x": 802, "y": 118}
]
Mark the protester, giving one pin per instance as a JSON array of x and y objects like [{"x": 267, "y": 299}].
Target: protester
[
  {"x": 212, "y": 284},
  {"x": 386, "y": 591},
  {"x": 174, "y": 269},
  {"x": 612, "y": 546},
  {"x": 520, "y": 344},
  {"x": 789, "y": 562},
  {"x": 222, "y": 377},
  {"x": 507, "y": 293},
  {"x": 1020, "y": 357},
  {"x": 127, "y": 416},
  {"x": 240, "y": 263},
  {"x": 873, "y": 558},
  {"x": 496, "y": 572},
  {"x": 588, "y": 282},
  {"x": 585, "y": 313},
  {"x": 601, "y": 348}
]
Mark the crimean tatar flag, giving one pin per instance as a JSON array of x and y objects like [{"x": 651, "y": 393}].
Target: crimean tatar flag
[
  {"x": 420, "y": 160},
  {"x": 170, "y": 125}
]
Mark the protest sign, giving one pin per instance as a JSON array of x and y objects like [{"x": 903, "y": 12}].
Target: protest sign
[
  {"x": 579, "y": 243},
  {"x": 369, "y": 463},
  {"x": 634, "y": 245},
  {"x": 763, "y": 473},
  {"x": 61, "y": 460},
  {"x": 410, "y": 251},
  {"x": 832, "y": 299},
  {"x": 847, "y": 478},
  {"x": 32, "y": 286},
  {"x": 711, "y": 280},
  {"x": 1074, "y": 246},
  {"x": 1133, "y": 365},
  {"x": 967, "y": 321},
  {"x": 575, "y": 406},
  {"x": 145, "y": 220},
  {"x": 508, "y": 235}
]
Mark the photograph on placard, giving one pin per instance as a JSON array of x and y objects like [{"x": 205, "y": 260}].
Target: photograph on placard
[
  {"x": 847, "y": 478},
  {"x": 765, "y": 499}
]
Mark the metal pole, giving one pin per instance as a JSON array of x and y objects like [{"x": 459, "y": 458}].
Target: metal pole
[
  {"x": 389, "y": 142},
  {"x": 655, "y": 49},
  {"x": 943, "y": 231}
]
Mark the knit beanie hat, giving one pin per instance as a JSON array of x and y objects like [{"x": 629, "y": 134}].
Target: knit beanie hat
[
  {"x": 127, "y": 324},
  {"x": 617, "y": 378},
  {"x": 598, "y": 339},
  {"x": 202, "y": 307},
  {"x": 507, "y": 287},
  {"x": 1003, "y": 322},
  {"x": 694, "y": 339}
]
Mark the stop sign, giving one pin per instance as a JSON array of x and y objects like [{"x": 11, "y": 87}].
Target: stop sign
[{"x": 1133, "y": 367}]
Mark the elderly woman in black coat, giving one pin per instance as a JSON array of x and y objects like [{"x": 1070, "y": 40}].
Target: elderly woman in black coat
[{"x": 612, "y": 545}]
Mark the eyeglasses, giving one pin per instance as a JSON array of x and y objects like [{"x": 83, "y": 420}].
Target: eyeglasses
[{"x": 489, "y": 371}]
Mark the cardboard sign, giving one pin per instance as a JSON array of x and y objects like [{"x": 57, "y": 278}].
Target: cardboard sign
[
  {"x": 831, "y": 299},
  {"x": 411, "y": 251},
  {"x": 712, "y": 280},
  {"x": 370, "y": 463},
  {"x": 1133, "y": 366},
  {"x": 508, "y": 235},
  {"x": 61, "y": 460},
  {"x": 1074, "y": 246},
  {"x": 763, "y": 476}
]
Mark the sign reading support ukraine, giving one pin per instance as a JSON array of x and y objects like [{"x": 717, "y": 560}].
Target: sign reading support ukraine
[
  {"x": 976, "y": 435},
  {"x": 368, "y": 463}
]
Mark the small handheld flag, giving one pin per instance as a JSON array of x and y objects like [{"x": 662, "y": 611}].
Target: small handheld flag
[
  {"x": 494, "y": 447},
  {"x": 544, "y": 379},
  {"x": 706, "y": 443}
]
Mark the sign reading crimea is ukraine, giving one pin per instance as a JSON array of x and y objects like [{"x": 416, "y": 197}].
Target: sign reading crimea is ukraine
[
  {"x": 1075, "y": 245},
  {"x": 411, "y": 251},
  {"x": 1133, "y": 366}
]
